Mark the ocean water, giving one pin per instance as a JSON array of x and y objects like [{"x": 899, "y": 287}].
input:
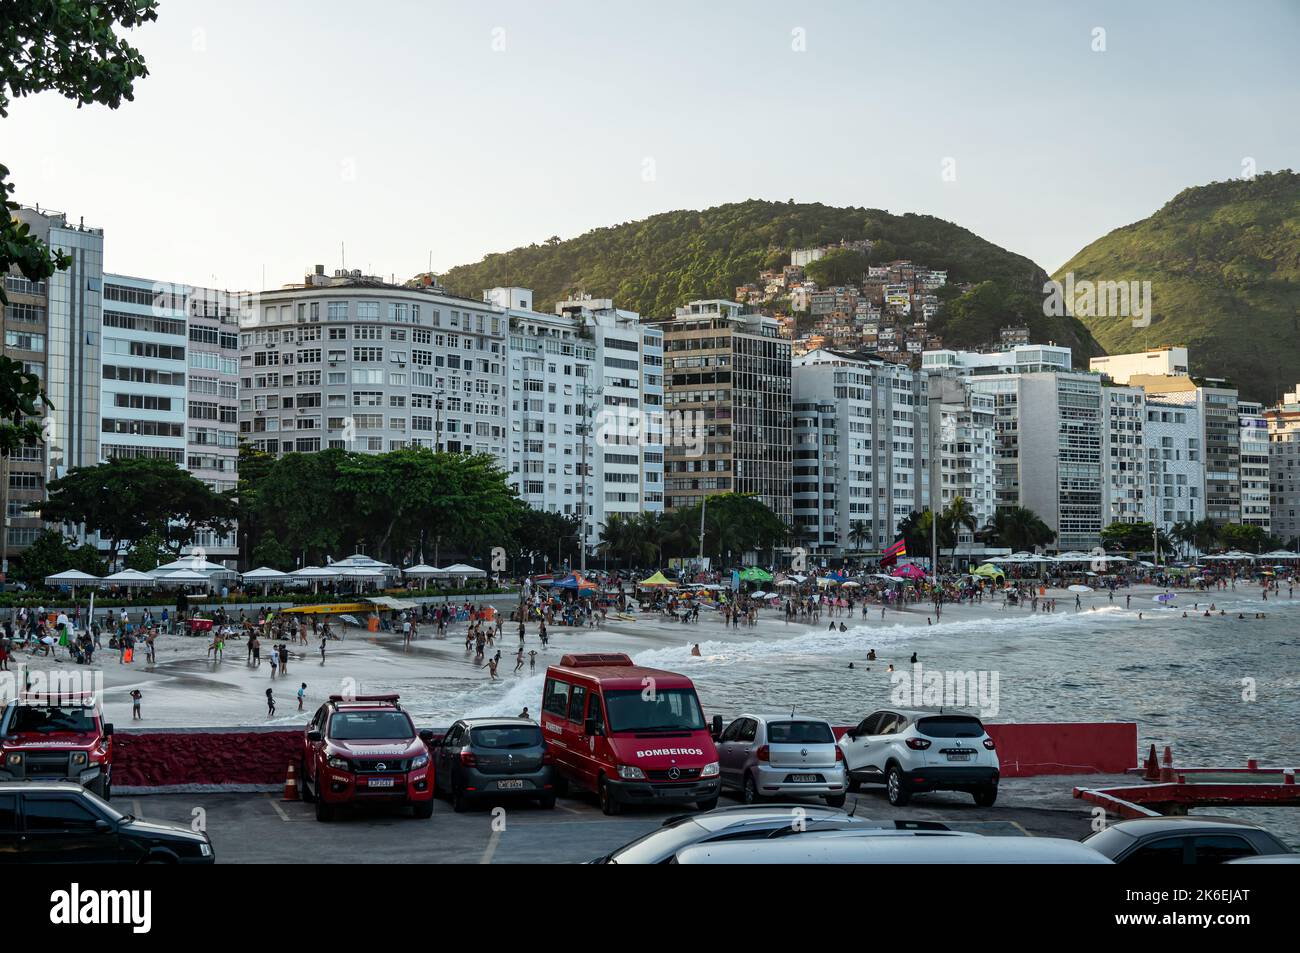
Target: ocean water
[{"x": 1219, "y": 690}]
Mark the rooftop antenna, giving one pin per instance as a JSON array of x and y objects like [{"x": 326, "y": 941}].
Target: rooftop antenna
[{"x": 343, "y": 255}]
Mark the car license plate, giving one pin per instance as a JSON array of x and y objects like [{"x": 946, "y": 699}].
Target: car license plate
[
  {"x": 959, "y": 756},
  {"x": 381, "y": 782},
  {"x": 803, "y": 778},
  {"x": 509, "y": 785}
]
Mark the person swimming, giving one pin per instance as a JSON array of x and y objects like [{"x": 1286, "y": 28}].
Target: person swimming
[
  {"x": 695, "y": 650},
  {"x": 913, "y": 658}
]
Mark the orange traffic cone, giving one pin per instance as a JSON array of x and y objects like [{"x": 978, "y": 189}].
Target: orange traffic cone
[
  {"x": 291, "y": 785},
  {"x": 1152, "y": 772}
]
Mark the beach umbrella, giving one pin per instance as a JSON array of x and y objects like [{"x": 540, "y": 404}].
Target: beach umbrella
[
  {"x": 989, "y": 571},
  {"x": 1077, "y": 588},
  {"x": 759, "y": 594},
  {"x": 754, "y": 574},
  {"x": 910, "y": 571},
  {"x": 659, "y": 580},
  {"x": 852, "y": 584}
]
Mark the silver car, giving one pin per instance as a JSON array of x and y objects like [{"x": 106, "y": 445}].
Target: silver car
[{"x": 763, "y": 756}]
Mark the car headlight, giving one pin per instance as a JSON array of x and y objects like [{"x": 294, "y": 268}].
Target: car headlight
[
  {"x": 710, "y": 770},
  {"x": 15, "y": 759},
  {"x": 79, "y": 757},
  {"x": 630, "y": 772},
  {"x": 205, "y": 849},
  {"x": 420, "y": 761},
  {"x": 340, "y": 763}
]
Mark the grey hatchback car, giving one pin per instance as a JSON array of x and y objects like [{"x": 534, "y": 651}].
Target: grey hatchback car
[
  {"x": 493, "y": 758},
  {"x": 763, "y": 756}
]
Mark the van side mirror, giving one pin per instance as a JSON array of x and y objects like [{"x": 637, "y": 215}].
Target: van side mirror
[
  {"x": 102, "y": 826},
  {"x": 716, "y": 730},
  {"x": 591, "y": 727},
  {"x": 314, "y": 736},
  {"x": 108, "y": 730},
  {"x": 426, "y": 735}
]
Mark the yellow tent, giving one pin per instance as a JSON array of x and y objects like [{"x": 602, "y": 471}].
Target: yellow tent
[{"x": 658, "y": 579}]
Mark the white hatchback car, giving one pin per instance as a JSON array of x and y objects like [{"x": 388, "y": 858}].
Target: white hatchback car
[{"x": 914, "y": 751}]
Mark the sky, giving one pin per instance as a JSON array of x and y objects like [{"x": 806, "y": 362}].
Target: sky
[{"x": 393, "y": 135}]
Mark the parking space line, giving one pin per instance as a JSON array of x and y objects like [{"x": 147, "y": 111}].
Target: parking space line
[
  {"x": 562, "y": 807},
  {"x": 491, "y": 848},
  {"x": 1022, "y": 828},
  {"x": 278, "y": 809},
  {"x": 136, "y": 809}
]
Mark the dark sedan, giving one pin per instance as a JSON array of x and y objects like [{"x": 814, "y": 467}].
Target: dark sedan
[
  {"x": 494, "y": 758},
  {"x": 63, "y": 823},
  {"x": 1174, "y": 841}
]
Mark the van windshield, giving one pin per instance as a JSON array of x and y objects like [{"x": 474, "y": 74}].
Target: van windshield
[
  {"x": 668, "y": 709},
  {"x": 370, "y": 726}
]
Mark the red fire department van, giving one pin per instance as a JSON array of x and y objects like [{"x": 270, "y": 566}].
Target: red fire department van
[{"x": 633, "y": 735}]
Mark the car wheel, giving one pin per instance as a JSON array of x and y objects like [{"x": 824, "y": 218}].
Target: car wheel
[
  {"x": 896, "y": 787},
  {"x": 324, "y": 812},
  {"x": 608, "y": 805},
  {"x": 708, "y": 804},
  {"x": 836, "y": 800},
  {"x": 985, "y": 796},
  {"x": 459, "y": 803},
  {"x": 422, "y": 809},
  {"x": 304, "y": 789},
  {"x": 749, "y": 794},
  {"x": 546, "y": 802},
  {"x": 852, "y": 783}
]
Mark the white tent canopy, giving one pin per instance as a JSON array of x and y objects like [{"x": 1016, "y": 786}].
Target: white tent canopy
[
  {"x": 129, "y": 577},
  {"x": 186, "y": 577},
  {"x": 1280, "y": 554},
  {"x": 315, "y": 573},
  {"x": 362, "y": 561},
  {"x": 422, "y": 571},
  {"x": 460, "y": 569},
  {"x": 193, "y": 563},
  {"x": 263, "y": 574},
  {"x": 1231, "y": 555},
  {"x": 71, "y": 577}
]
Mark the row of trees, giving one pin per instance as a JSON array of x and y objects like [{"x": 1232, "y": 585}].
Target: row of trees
[
  {"x": 734, "y": 523},
  {"x": 1017, "y": 528}
]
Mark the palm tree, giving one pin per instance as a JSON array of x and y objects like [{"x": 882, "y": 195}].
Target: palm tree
[
  {"x": 859, "y": 533},
  {"x": 1020, "y": 528},
  {"x": 957, "y": 515}
]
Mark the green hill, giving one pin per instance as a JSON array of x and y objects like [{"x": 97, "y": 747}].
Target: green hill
[
  {"x": 1224, "y": 265},
  {"x": 657, "y": 264}
]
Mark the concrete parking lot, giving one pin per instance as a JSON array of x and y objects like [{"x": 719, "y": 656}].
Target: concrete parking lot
[{"x": 260, "y": 828}]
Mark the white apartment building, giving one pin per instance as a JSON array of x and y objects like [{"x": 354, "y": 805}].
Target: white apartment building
[
  {"x": 860, "y": 436},
  {"x": 170, "y": 383},
  {"x": 1124, "y": 456},
  {"x": 1049, "y": 449},
  {"x": 626, "y": 459},
  {"x": 1020, "y": 359},
  {"x": 1284, "y": 468},
  {"x": 967, "y": 450},
  {"x": 1175, "y": 452},
  {"x": 586, "y": 386},
  {"x": 1255, "y": 496},
  {"x": 142, "y": 409},
  {"x": 1160, "y": 361},
  {"x": 352, "y": 362}
]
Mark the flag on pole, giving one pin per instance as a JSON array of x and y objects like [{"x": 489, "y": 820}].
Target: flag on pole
[{"x": 890, "y": 555}]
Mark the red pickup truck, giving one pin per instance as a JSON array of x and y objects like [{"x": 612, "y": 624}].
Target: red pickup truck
[{"x": 57, "y": 736}]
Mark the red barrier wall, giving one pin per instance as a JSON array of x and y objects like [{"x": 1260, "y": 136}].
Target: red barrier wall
[
  {"x": 256, "y": 759},
  {"x": 1035, "y": 748}
]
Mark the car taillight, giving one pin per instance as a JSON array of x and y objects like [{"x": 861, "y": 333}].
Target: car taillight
[
  {"x": 547, "y": 758},
  {"x": 839, "y": 753},
  {"x": 988, "y": 743},
  {"x": 918, "y": 744},
  {"x": 467, "y": 758},
  {"x": 762, "y": 753}
]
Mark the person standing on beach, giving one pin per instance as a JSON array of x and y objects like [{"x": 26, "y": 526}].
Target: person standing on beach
[
  {"x": 519, "y": 660},
  {"x": 136, "y": 696},
  {"x": 270, "y": 704},
  {"x": 323, "y": 640},
  {"x": 302, "y": 693}
]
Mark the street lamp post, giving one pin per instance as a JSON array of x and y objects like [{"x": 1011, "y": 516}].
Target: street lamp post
[{"x": 588, "y": 408}]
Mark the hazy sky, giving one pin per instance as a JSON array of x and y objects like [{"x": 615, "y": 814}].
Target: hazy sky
[{"x": 267, "y": 134}]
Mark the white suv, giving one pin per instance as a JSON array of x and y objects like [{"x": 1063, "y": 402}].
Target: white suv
[{"x": 914, "y": 751}]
